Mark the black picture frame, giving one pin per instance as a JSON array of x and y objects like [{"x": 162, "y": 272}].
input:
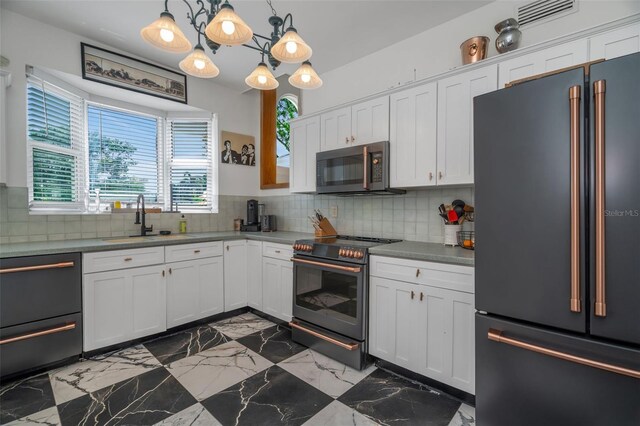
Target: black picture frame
[{"x": 133, "y": 74}]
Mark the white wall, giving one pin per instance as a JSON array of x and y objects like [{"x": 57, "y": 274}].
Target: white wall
[
  {"x": 25, "y": 41},
  {"x": 437, "y": 50}
]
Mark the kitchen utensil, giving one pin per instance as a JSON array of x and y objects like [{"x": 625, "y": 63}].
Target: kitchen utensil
[
  {"x": 458, "y": 203},
  {"x": 459, "y": 211},
  {"x": 474, "y": 49},
  {"x": 445, "y": 217},
  {"x": 468, "y": 208},
  {"x": 453, "y": 217},
  {"x": 509, "y": 35},
  {"x": 441, "y": 209}
]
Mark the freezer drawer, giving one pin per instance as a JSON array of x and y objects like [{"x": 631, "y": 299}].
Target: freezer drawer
[
  {"x": 39, "y": 287},
  {"x": 28, "y": 346},
  {"x": 517, "y": 385}
]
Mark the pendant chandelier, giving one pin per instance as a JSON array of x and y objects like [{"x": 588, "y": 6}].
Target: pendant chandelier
[{"x": 220, "y": 25}]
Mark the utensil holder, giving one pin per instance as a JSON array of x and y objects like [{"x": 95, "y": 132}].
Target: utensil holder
[
  {"x": 451, "y": 234},
  {"x": 326, "y": 229}
]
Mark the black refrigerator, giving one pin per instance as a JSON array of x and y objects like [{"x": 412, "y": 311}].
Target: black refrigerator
[{"x": 557, "y": 187}]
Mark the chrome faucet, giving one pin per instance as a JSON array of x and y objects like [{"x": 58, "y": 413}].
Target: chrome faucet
[{"x": 143, "y": 228}]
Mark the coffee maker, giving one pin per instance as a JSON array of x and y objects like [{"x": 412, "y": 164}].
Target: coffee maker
[{"x": 253, "y": 222}]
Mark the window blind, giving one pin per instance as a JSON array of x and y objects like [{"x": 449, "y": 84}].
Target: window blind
[
  {"x": 124, "y": 154},
  {"x": 190, "y": 168},
  {"x": 56, "y": 148}
]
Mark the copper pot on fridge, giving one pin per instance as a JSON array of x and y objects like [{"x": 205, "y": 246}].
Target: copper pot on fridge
[{"x": 474, "y": 49}]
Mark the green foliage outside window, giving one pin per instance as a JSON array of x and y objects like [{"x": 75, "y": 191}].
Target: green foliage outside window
[{"x": 286, "y": 111}]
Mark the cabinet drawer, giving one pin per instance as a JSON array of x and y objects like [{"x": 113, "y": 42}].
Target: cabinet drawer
[
  {"x": 277, "y": 251},
  {"x": 192, "y": 251},
  {"x": 121, "y": 259},
  {"x": 452, "y": 277}
]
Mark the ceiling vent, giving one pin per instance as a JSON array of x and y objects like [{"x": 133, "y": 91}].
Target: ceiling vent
[{"x": 543, "y": 10}]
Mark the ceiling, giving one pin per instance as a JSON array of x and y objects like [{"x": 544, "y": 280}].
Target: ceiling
[{"x": 338, "y": 31}]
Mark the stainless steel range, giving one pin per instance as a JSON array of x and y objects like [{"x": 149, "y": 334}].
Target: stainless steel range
[{"x": 330, "y": 302}]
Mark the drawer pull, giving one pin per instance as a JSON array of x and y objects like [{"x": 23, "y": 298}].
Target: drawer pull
[
  {"x": 128, "y": 259},
  {"x": 170, "y": 271},
  {"x": 412, "y": 294},
  {"x": 497, "y": 336},
  {"x": 38, "y": 267},
  {"x": 196, "y": 251},
  {"x": 421, "y": 296},
  {"x": 39, "y": 333},
  {"x": 347, "y": 346},
  {"x": 278, "y": 251},
  {"x": 417, "y": 273}
]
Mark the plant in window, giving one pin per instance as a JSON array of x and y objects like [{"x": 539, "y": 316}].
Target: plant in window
[{"x": 286, "y": 110}]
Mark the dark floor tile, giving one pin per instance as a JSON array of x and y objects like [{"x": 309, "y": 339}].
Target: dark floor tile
[
  {"x": 24, "y": 397},
  {"x": 392, "y": 400},
  {"x": 272, "y": 397},
  {"x": 145, "y": 399},
  {"x": 185, "y": 343},
  {"x": 273, "y": 343}
]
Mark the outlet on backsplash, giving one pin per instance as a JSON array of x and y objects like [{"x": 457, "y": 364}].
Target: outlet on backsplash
[{"x": 333, "y": 211}]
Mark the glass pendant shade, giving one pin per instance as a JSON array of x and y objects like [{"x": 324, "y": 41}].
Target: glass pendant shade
[
  {"x": 305, "y": 77},
  {"x": 198, "y": 64},
  {"x": 227, "y": 28},
  {"x": 165, "y": 34},
  {"x": 261, "y": 78},
  {"x": 291, "y": 48}
]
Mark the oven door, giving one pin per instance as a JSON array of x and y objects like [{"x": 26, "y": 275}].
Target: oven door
[
  {"x": 330, "y": 294},
  {"x": 353, "y": 170}
]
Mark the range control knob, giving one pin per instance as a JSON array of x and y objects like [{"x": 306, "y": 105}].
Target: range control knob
[
  {"x": 309, "y": 248},
  {"x": 350, "y": 253},
  {"x": 341, "y": 252},
  {"x": 296, "y": 246}
]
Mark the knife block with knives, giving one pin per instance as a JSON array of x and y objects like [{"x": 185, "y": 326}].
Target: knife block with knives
[{"x": 322, "y": 225}]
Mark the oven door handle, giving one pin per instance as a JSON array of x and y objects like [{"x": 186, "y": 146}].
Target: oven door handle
[
  {"x": 347, "y": 346},
  {"x": 354, "y": 269}
]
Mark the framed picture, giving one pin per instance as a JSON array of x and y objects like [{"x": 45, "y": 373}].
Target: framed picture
[
  {"x": 237, "y": 149},
  {"x": 122, "y": 71}
]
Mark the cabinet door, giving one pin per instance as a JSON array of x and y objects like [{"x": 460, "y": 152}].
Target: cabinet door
[
  {"x": 235, "y": 275},
  {"x": 461, "y": 332},
  {"x": 211, "y": 280},
  {"x": 286, "y": 290},
  {"x": 394, "y": 312},
  {"x": 254, "y": 274},
  {"x": 106, "y": 308},
  {"x": 455, "y": 123},
  {"x": 552, "y": 59},
  {"x": 335, "y": 129},
  {"x": 612, "y": 44},
  {"x": 183, "y": 288},
  {"x": 305, "y": 143},
  {"x": 370, "y": 121},
  {"x": 149, "y": 302},
  {"x": 271, "y": 286},
  {"x": 413, "y": 137}
]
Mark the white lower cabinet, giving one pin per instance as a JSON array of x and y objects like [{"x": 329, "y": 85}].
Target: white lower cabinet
[
  {"x": 195, "y": 290},
  {"x": 277, "y": 284},
  {"x": 123, "y": 305},
  {"x": 426, "y": 329},
  {"x": 235, "y": 274},
  {"x": 254, "y": 274}
]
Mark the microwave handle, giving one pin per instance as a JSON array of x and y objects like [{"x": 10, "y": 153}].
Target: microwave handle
[{"x": 365, "y": 163}]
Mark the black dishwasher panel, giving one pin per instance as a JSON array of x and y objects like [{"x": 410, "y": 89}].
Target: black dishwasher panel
[
  {"x": 37, "y": 344},
  {"x": 39, "y": 287}
]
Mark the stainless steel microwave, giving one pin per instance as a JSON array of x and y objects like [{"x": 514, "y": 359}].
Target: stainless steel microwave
[{"x": 356, "y": 170}]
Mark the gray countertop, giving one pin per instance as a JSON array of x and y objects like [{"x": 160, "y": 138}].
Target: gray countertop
[
  {"x": 119, "y": 243},
  {"x": 431, "y": 252},
  {"x": 406, "y": 250}
]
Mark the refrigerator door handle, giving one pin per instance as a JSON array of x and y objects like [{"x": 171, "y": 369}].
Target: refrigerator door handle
[
  {"x": 498, "y": 336},
  {"x": 599, "y": 88},
  {"x": 574, "y": 102}
]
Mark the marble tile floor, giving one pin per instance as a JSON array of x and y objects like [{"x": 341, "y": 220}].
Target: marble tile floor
[{"x": 243, "y": 370}]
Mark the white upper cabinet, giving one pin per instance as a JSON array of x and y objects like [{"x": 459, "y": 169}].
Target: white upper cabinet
[
  {"x": 370, "y": 121},
  {"x": 305, "y": 143},
  {"x": 359, "y": 124},
  {"x": 235, "y": 274},
  {"x": 455, "y": 123},
  {"x": 335, "y": 129},
  {"x": 413, "y": 136},
  {"x": 254, "y": 274},
  {"x": 613, "y": 44},
  {"x": 542, "y": 61}
]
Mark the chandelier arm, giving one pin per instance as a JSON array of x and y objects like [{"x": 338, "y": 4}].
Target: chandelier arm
[
  {"x": 284, "y": 21},
  {"x": 192, "y": 17}
]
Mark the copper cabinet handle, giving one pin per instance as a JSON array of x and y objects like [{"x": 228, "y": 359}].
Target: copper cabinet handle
[
  {"x": 39, "y": 333},
  {"x": 38, "y": 267},
  {"x": 328, "y": 265},
  {"x": 412, "y": 294},
  {"x": 128, "y": 259},
  {"x": 196, "y": 251},
  {"x": 574, "y": 102},
  {"x": 498, "y": 336},
  {"x": 421, "y": 296},
  {"x": 417, "y": 273},
  {"x": 347, "y": 346},
  {"x": 599, "y": 89},
  {"x": 365, "y": 163}
]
